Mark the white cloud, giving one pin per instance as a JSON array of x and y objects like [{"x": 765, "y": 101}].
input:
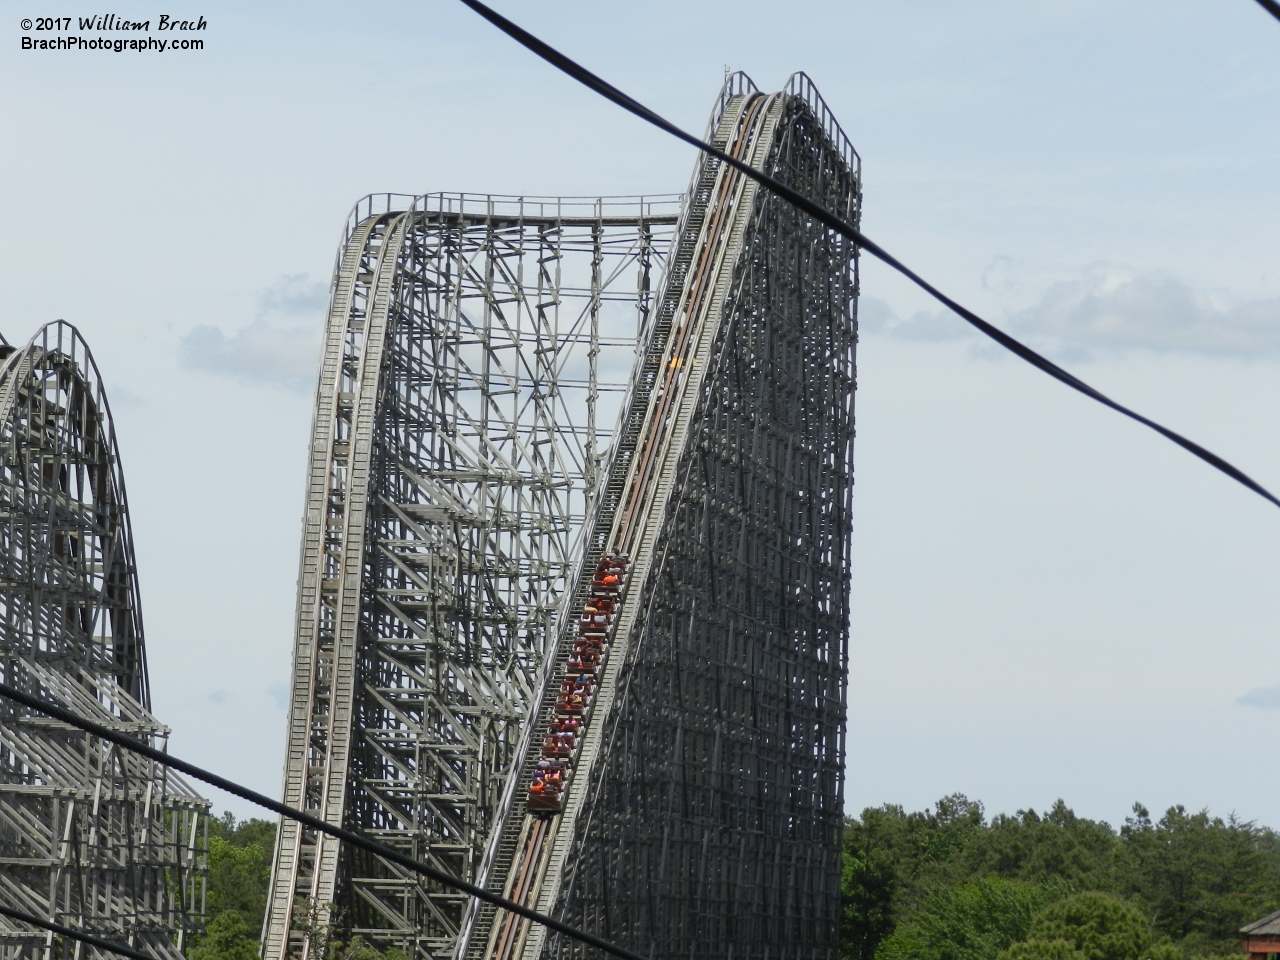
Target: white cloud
[
  {"x": 1114, "y": 309},
  {"x": 266, "y": 352},
  {"x": 1105, "y": 309},
  {"x": 877, "y": 317},
  {"x": 294, "y": 294},
  {"x": 257, "y": 354},
  {"x": 1266, "y": 697}
]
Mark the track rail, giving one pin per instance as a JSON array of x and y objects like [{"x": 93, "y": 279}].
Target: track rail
[
  {"x": 94, "y": 837},
  {"x": 642, "y": 476},
  {"x": 453, "y": 462},
  {"x": 328, "y": 600}
]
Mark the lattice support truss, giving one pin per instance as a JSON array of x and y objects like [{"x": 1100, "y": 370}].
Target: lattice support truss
[
  {"x": 90, "y": 836},
  {"x": 476, "y": 351},
  {"x": 711, "y": 825},
  {"x": 703, "y": 813}
]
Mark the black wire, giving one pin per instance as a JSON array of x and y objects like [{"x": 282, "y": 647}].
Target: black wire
[
  {"x": 612, "y": 93},
  {"x": 346, "y": 836},
  {"x": 1271, "y": 7},
  {"x": 607, "y": 90},
  {"x": 74, "y": 934}
]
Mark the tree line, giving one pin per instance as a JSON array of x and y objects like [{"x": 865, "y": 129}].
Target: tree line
[
  {"x": 941, "y": 884},
  {"x": 948, "y": 884},
  {"x": 240, "y": 855}
]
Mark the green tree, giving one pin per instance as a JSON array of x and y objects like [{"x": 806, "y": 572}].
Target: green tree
[
  {"x": 971, "y": 921},
  {"x": 1083, "y": 853},
  {"x": 239, "y": 871},
  {"x": 238, "y": 878},
  {"x": 1096, "y": 925},
  {"x": 227, "y": 937},
  {"x": 867, "y": 886},
  {"x": 1195, "y": 879},
  {"x": 1200, "y": 877},
  {"x": 1042, "y": 950},
  {"x": 892, "y": 859}
]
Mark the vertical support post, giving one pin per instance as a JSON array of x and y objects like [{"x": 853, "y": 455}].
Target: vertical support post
[{"x": 593, "y": 355}]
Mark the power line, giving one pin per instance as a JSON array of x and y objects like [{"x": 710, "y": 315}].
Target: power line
[
  {"x": 346, "y": 836},
  {"x": 828, "y": 219},
  {"x": 73, "y": 934},
  {"x": 1271, "y": 7}
]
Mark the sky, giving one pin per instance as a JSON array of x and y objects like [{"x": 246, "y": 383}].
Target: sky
[{"x": 1049, "y": 601}]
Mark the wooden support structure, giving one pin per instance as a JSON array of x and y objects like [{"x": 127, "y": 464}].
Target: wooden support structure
[{"x": 91, "y": 836}]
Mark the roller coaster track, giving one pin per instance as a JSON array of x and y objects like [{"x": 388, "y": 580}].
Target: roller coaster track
[
  {"x": 601, "y": 673},
  {"x": 643, "y": 472},
  {"x": 91, "y": 836},
  {"x": 454, "y": 455},
  {"x": 535, "y": 857}
]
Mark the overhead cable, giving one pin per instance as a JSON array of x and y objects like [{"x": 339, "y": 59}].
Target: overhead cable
[
  {"x": 74, "y": 934},
  {"x": 830, "y": 220},
  {"x": 1271, "y": 7},
  {"x": 306, "y": 819}
]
